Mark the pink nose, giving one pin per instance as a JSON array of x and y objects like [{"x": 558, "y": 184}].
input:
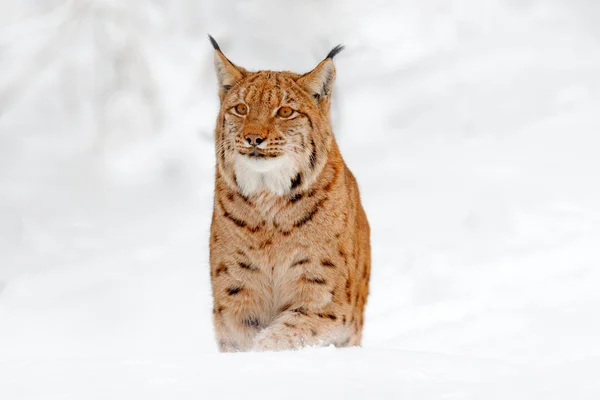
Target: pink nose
[{"x": 254, "y": 139}]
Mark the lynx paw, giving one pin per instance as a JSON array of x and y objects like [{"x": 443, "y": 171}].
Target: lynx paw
[{"x": 274, "y": 342}]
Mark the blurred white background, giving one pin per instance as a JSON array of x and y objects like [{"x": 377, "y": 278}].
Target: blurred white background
[{"x": 471, "y": 125}]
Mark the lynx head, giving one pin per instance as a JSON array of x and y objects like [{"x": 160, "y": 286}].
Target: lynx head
[{"x": 273, "y": 131}]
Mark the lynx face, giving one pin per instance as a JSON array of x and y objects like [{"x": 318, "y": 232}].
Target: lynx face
[
  {"x": 267, "y": 121},
  {"x": 274, "y": 125},
  {"x": 268, "y": 128}
]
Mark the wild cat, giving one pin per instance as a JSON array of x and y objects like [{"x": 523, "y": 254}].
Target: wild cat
[{"x": 289, "y": 246}]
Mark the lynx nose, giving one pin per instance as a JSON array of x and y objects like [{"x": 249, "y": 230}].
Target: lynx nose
[{"x": 254, "y": 139}]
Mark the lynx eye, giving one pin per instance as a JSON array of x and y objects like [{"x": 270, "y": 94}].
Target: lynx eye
[
  {"x": 241, "y": 109},
  {"x": 285, "y": 112}
]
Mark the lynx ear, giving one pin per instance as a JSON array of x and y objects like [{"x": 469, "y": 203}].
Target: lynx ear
[
  {"x": 319, "y": 81},
  {"x": 228, "y": 74}
]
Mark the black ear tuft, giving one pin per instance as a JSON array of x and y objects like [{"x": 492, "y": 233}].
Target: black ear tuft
[
  {"x": 216, "y": 45},
  {"x": 334, "y": 51}
]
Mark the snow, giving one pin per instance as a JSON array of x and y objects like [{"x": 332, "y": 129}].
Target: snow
[{"x": 473, "y": 130}]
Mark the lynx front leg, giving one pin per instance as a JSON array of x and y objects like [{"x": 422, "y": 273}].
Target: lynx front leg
[
  {"x": 299, "y": 328},
  {"x": 238, "y": 317}
]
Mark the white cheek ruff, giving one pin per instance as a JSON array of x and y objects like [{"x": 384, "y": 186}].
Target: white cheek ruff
[{"x": 271, "y": 174}]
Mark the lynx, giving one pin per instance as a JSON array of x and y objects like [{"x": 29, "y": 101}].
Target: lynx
[{"x": 289, "y": 243}]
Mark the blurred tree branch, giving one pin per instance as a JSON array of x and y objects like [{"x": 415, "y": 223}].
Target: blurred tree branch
[{"x": 62, "y": 19}]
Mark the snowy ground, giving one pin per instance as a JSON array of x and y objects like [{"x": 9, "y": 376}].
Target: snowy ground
[{"x": 472, "y": 127}]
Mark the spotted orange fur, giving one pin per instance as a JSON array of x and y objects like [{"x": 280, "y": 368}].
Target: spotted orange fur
[{"x": 289, "y": 246}]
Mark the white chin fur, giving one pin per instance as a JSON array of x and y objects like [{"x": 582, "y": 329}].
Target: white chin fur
[{"x": 270, "y": 174}]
